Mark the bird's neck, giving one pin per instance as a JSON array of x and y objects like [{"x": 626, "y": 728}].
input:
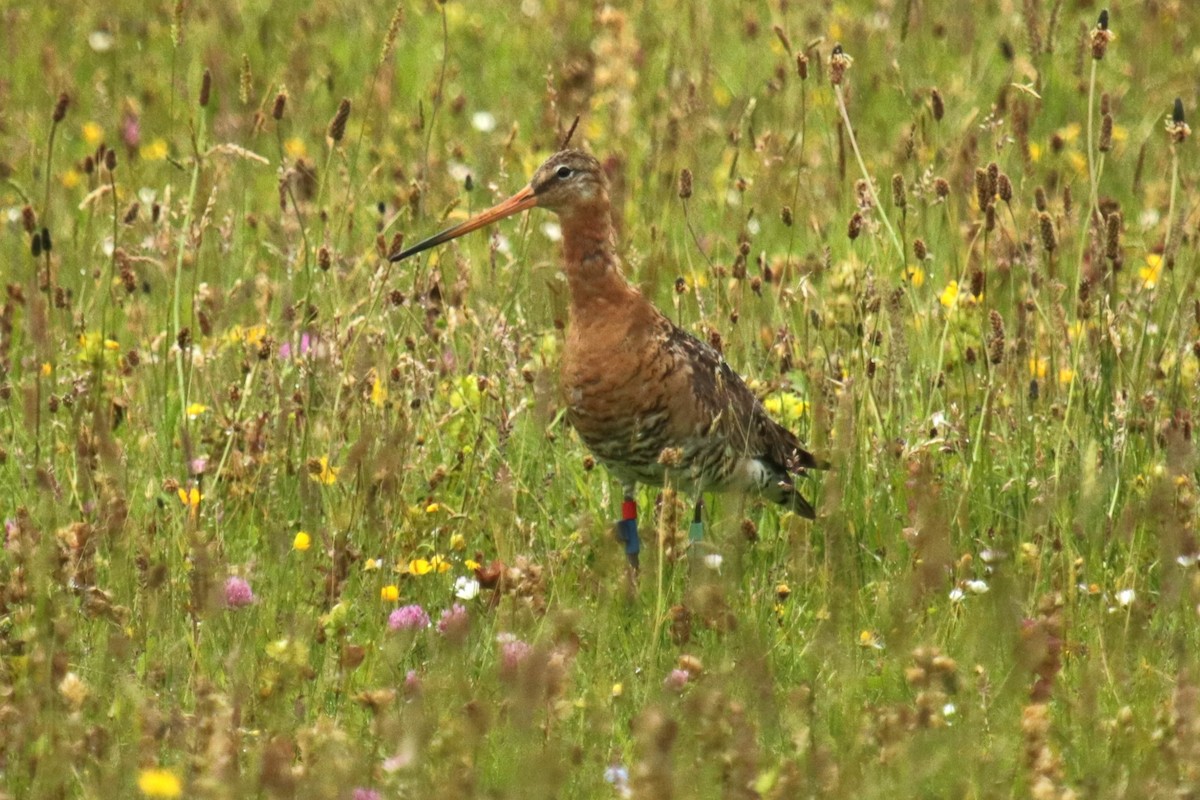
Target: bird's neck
[{"x": 593, "y": 269}]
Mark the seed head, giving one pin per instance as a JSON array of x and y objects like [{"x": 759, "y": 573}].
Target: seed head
[
  {"x": 899, "y": 191},
  {"x": 28, "y": 219},
  {"x": 337, "y": 126},
  {"x": 941, "y": 188},
  {"x": 389, "y": 39},
  {"x": 938, "y": 104},
  {"x": 993, "y": 172},
  {"x": 1106, "y": 128},
  {"x": 996, "y": 340},
  {"x": 60, "y": 107},
  {"x": 982, "y": 188},
  {"x": 1046, "y": 228},
  {"x": 1101, "y": 36},
  {"x": 855, "y": 227},
  {"x": 246, "y": 84},
  {"x": 205, "y": 88},
  {"x": 1004, "y": 188},
  {"x": 783, "y": 39},
  {"x": 785, "y": 215},
  {"x": 1112, "y": 236},
  {"x": 1039, "y": 198},
  {"x": 324, "y": 258},
  {"x": 685, "y": 183},
  {"x": 920, "y": 249},
  {"x": 1105, "y": 103},
  {"x": 802, "y": 66},
  {"x": 839, "y": 62},
  {"x": 110, "y": 160},
  {"x": 279, "y": 105},
  {"x": 1177, "y": 129}
]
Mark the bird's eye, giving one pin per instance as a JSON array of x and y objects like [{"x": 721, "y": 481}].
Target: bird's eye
[{"x": 563, "y": 172}]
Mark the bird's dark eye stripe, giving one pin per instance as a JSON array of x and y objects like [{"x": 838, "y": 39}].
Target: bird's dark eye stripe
[{"x": 563, "y": 172}]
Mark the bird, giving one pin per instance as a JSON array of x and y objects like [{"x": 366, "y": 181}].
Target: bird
[{"x": 644, "y": 395}]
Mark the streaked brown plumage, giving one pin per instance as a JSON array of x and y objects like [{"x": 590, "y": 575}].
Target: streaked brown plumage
[{"x": 635, "y": 383}]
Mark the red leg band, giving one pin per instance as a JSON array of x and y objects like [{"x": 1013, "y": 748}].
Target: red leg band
[{"x": 629, "y": 510}]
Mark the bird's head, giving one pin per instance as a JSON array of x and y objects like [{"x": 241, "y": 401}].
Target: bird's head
[{"x": 569, "y": 180}]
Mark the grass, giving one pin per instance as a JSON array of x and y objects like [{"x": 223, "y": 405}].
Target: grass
[{"x": 205, "y": 356}]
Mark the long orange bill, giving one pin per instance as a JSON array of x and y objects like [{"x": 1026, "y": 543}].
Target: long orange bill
[{"x": 519, "y": 202}]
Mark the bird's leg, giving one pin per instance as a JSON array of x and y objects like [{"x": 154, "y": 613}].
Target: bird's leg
[
  {"x": 627, "y": 530},
  {"x": 696, "y": 531}
]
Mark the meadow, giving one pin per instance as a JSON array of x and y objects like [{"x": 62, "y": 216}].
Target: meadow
[{"x": 285, "y": 520}]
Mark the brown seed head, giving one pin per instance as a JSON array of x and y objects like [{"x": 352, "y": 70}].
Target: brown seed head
[
  {"x": 389, "y": 38},
  {"x": 1177, "y": 129},
  {"x": 1046, "y": 229},
  {"x": 993, "y": 171},
  {"x": 28, "y": 219},
  {"x": 131, "y": 214},
  {"x": 839, "y": 62},
  {"x": 1105, "y": 103},
  {"x": 899, "y": 191},
  {"x": 685, "y": 183},
  {"x": 989, "y": 217},
  {"x": 941, "y": 188},
  {"x": 938, "y": 104},
  {"x": 205, "y": 88},
  {"x": 1004, "y": 187},
  {"x": 785, "y": 215},
  {"x": 855, "y": 227},
  {"x": 802, "y": 66},
  {"x": 1039, "y": 198},
  {"x": 996, "y": 340},
  {"x": 337, "y": 126},
  {"x": 920, "y": 249},
  {"x": 110, "y": 160},
  {"x": 1112, "y": 236},
  {"x": 324, "y": 258},
  {"x": 1106, "y": 130},
  {"x": 783, "y": 39},
  {"x": 1101, "y": 36},
  {"x": 277, "y": 108},
  {"x": 60, "y": 107},
  {"x": 246, "y": 84},
  {"x": 982, "y": 191}
]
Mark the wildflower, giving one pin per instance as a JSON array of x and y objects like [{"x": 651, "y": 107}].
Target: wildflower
[
  {"x": 453, "y": 622},
  {"x": 1065, "y": 376},
  {"x": 1125, "y": 597},
  {"x": 956, "y": 595},
  {"x": 379, "y": 393},
  {"x": 483, "y": 121},
  {"x": 238, "y": 592},
  {"x": 155, "y": 150},
  {"x": 408, "y": 618},
  {"x": 713, "y": 561},
  {"x": 1038, "y": 367},
  {"x": 915, "y": 275},
  {"x": 676, "y": 680},
  {"x": 390, "y": 593},
  {"x": 870, "y": 640},
  {"x": 362, "y": 793},
  {"x": 1151, "y": 272},
  {"x": 197, "y": 465},
  {"x": 73, "y": 690},
  {"x": 320, "y": 471},
  {"x": 295, "y": 148},
  {"x": 159, "y": 783},
  {"x": 977, "y": 587},
  {"x": 458, "y": 542},
  {"x": 513, "y": 652},
  {"x": 618, "y": 776},
  {"x": 302, "y": 541},
  {"x": 196, "y": 409},
  {"x": 93, "y": 134},
  {"x": 466, "y": 588},
  {"x": 190, "y": 497},
  {"x": 949, "y": 295}
]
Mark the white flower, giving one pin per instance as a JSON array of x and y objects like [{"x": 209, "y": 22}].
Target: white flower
[
  {"x": 977, "y": 587},
  {"x": 100, "y": 41},
  {"x": 956, "y": 595},
  {"x": 1125, "y": 597},
  {"x": 483, "y": 121},
  {"x": 713, "y": 561},
  {"x": 466, "y": 588}
]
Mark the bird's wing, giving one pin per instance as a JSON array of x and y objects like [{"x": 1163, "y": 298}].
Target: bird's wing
[{"x": 714, "y": 400}]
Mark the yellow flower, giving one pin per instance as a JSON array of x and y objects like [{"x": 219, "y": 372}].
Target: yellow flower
[
  {"x": 294, "y": 148},
  {"x": 869, "y": 639},
  {"x": 1152, "y": 271},
  {"x": 1066, "y": 375},
  {"x": 326, "y": 474},
  {"x": 471, "y": 564},
  {"x": 93, "y": 134},
  {"x": 786, "y": 405},
  {"x": 618, "y": 690},
  {"x": 1035, "y": 152},
  {"x": 195, "y": 410},
  {"x": 190, "y": 497},
  {"x": 70, "y": 179},
  {"x": 419, "y": 566},
  {"x": 458, "y": 542},
  {"x": 439, "y": 563},
  {"x": 949, "y": 295},
  {"x": 432, "y": 508},
  {"x": 302, "y": 541},
  {"x": 916, "y": 276},
  {"x": 159, "y": 783},
  {"x": 156, "y": 150},
  {"x": 1038, "y": 367},
  {"x": 390, "y": 593},
  {"x": 379, "y": 393},
  {"x": 47, "y": 369}
]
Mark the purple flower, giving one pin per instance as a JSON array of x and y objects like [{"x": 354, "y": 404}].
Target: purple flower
[
  {"x": 408, "y": 618},
  {"x": 238, "y": 593},
  {"x": 362, "y": 793},
  {"x": 453, "y": 622},
  {"x": 513, "y": 652},
  {"x": 197, "y": 465},
  {"x": 412, "y": 683},
  {"x": 676, "y": 680}
]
